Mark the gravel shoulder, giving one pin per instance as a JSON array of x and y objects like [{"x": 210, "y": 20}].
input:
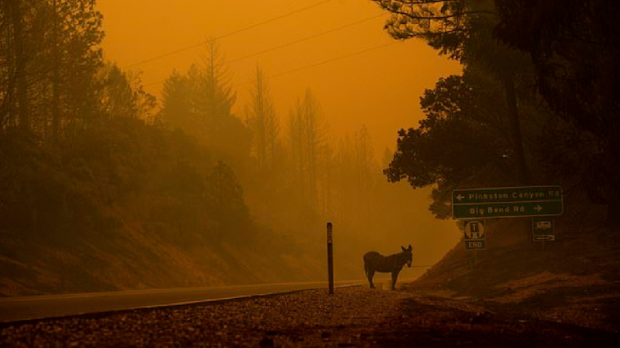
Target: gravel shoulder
[
  {"x": 352, "y": 317},
  {"x": 310, "y": 318}
]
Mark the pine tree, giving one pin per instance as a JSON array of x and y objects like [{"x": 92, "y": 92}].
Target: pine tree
[
  {"x": 262, "y": 120},
  {"x": 308, "y": 147},
  {"x": 200, "y": 103}
]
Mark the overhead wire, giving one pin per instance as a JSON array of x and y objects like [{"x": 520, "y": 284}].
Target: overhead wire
[
  {"x": 235, "y": 32},
  {"x": 303, "y": 9},
  {"x": 307, "y": 38},
  {"x": 356, "y": 53},
  {"x": 335, "y": 59},
  {"x": 291, "y": 43}
]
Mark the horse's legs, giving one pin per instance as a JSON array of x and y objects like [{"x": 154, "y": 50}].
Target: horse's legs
[
  {"x": 394, "y": 276},
  {"x": 371, "y": 274}
]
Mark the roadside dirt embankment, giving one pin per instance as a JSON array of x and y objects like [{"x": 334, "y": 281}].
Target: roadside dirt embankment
[{"x": 575, "y": 279}]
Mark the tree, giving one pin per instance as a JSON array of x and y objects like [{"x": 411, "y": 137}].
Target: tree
[
  {"x": 462, "y": 29},
  {"x": 364, "y": 158},
  {"x": 21, "y": 61},
  {"x": 117, "y": 96},
  {"x": 566, "y": 52},
  {"x": 462, "y": 142},
  {"x": 81, "y": 58},
  {"x": 262, "y": 121},
  {"x": 354, "y": 178},
  {"x": 122, "y": 95},
  {"x": 214, "y": 95},
  {"x": 227, "y": 203},
  {"x": 176, "y": 111},
  {"x": 574, "y": 46},
  {"x": 200, "y": 103},
  {"x": 51, "y": 59},
  {"x": 307, "y": 143}
]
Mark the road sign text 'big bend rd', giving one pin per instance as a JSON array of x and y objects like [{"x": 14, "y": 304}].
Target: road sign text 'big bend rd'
[{"x": 507, "y": 202}]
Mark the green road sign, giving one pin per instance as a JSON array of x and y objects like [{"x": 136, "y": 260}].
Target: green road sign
[{"x": 527, "y": 201}]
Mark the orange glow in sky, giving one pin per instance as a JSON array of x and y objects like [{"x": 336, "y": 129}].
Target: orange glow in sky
[{"x": 379, "y": 88}]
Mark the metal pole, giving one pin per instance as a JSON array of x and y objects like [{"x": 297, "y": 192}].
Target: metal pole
[
  {"x": 475, "y": 257},
  {"x": 330, "y": 258}
]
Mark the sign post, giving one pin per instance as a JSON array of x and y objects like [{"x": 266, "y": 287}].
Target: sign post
[{"x": 330, "y": 258}]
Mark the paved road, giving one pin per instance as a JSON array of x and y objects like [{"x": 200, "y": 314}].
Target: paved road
[{"x": 37, "y": 307}]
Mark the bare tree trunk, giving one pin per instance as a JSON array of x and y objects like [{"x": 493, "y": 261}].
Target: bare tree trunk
[
  {"x": 56, "y": 79},
  {"x": 523, "y": 175},
  {"x": 20, "y": 64}
]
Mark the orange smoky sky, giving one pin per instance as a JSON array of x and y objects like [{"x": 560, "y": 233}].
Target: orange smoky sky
[{"x": 378, "y": 82}]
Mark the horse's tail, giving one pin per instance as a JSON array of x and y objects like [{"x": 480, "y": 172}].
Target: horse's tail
[{"x": 368, "y": 263}]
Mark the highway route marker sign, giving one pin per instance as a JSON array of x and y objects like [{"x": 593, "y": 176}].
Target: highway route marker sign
[
  {"x": 507, "y": 202},
  {"x": 475, "y": 239},
  {"x": 543, "y": 229}
]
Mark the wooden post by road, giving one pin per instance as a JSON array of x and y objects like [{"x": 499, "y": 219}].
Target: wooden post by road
[{"x": 330, "y": 258}]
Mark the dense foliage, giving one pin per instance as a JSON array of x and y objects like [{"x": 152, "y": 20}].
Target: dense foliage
[{"x": 534, "y": 104}]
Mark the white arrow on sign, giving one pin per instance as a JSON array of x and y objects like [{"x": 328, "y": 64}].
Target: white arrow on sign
[
  {"x": 459, "y": 197},
  {"x": 538, "y": 208}
]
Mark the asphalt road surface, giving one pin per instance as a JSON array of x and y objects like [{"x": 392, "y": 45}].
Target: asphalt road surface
[{"x": 37, "y": 307}]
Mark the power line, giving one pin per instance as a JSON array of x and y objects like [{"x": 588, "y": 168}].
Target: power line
[
  {"x": 291, "y": 43},
  {"x": 356, "y": 53},
  {"x": 238, "y": 31},
  {"x": 274, "y": 19},
  {"x": 325, "y": 62},
  {"x": 304, "y": 39}
]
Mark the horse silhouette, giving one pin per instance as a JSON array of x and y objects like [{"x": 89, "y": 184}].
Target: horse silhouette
[{"x": 375, "y": 262}]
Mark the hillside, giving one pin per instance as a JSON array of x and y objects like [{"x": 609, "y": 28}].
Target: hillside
[
  {"x": 130, "y": 206},
  {"x": 575, "y": 279},
  {"x": 134, "y": 259}
]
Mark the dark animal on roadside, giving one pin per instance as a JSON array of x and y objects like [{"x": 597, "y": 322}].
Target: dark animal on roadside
[{"x": 375, "y": 262}]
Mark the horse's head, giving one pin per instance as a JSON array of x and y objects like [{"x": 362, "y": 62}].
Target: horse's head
[{"x": 408, "y": 255}]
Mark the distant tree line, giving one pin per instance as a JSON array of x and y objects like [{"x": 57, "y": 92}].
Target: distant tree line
[
  {"x": 536, "y": 102},
  {"x": 295, "y": 176}
]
